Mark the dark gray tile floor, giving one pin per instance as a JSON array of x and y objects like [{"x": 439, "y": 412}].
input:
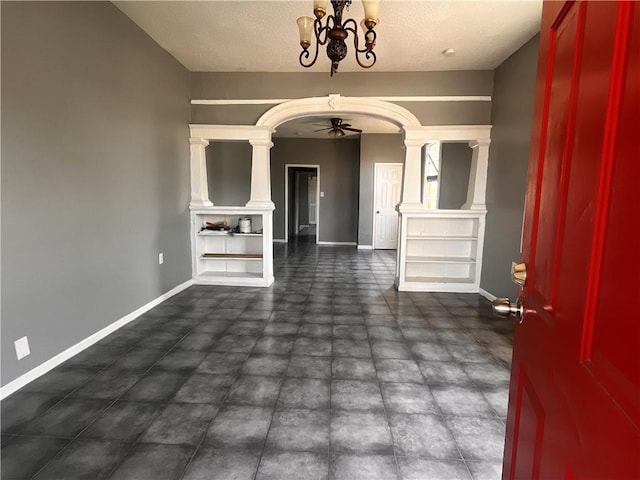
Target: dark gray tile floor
[{"x": 329, "y": 374}]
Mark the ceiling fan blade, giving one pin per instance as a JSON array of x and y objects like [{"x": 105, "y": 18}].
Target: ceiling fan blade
[
  {"x": 343, "y": 125},
  {"x": 357, "y": 130},
  {"x": 322, "y": 129}
]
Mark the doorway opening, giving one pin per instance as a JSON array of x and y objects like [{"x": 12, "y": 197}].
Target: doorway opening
[
  {"x": 302, "y": 203},
  {"x": 387, "y": 185}
]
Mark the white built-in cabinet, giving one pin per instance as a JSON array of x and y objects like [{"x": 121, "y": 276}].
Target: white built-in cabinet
[
  {"x": 232, "y": 258},
  {"x": 440, "y": 250}
]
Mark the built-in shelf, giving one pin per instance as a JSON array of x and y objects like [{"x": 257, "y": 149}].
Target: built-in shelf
[
  {"x": 230, "y": 275},
  {"x": 440, "y": 260},
  {"x": 438, "y": 237},
  {"x": 439, "y": 280},
  {"x": 232, "y": 256},
  {"x": 224, "y": 257},
  {"x": 440, "y": 250},
  {"x": 217, "y": 233}
]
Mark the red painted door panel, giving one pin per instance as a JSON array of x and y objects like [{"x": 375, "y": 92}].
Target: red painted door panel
[{"x": 574, "y": 404}]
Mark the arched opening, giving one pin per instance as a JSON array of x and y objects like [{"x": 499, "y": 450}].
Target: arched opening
[
  {"x": 336, "y": 104},
  {"x": 344, "y": 107},
  {"x": 426, "y": 259}
]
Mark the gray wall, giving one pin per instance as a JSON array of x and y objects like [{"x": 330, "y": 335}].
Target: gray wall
[
  {"x": 455, "y": 166},
  {"x": 374, "y": 149},
  {"x": 95, "y": 174},
  {"x": 364, "y": 83},
  {"x": 311, "y": 84},
  {"x": 229, "y": 173},
  {"x": 339, "y": 167},
  {"x": 512, "y": 112}
]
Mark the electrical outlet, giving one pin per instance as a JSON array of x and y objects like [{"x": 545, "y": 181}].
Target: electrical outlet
[
  {"x": 160, "y": 258},
  {"x": 22, "y": 347}
]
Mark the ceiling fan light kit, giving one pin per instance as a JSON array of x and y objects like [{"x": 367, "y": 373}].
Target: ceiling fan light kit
[
  {"x": 334, "y": 33},
  {"x": 337, "y": 128}
]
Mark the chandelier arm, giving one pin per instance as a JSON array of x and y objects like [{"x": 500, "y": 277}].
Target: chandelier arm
[
  {"x": 319, "y": 30},
  {"x": 368, "y": 54},
  {"x": 304, "y": 54},
  {"x": 354, "y": 31},
  {"x": 348, "y": 22}
]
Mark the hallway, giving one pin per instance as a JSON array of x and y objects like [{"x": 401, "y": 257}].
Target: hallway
[{"x": 329, "y": 374}]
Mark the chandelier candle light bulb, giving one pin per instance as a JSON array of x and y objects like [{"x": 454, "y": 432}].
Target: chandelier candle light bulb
[
  {"x": 305, "y": 25},
  {"x": 335, "y": 31}
]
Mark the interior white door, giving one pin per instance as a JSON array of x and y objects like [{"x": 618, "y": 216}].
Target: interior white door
[
  {"x": 387, "y": 186},
  {"x": 313, "y": 193}
]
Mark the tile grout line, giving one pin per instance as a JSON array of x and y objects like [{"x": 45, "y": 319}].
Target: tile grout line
[
  {"x": 222, "y": 404},
  {"x": 77, "y": 436},
  {"x": 386, "y": 415}
]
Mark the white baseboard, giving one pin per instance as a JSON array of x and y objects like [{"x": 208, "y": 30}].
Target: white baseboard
[
  {"x": 365, "y": 247},
  {"x": 279, "y": 240},
  {"x": 337, "y": 244},
  {"x": 53, "y": 362},
  {"x": 487, "y": 295}
]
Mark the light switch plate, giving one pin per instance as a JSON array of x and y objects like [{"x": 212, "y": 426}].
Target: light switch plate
[
  {"x": 322, "y": 194},
  {"x": 22, "y": 347}
]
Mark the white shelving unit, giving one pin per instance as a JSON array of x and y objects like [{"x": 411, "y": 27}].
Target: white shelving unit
[
  {"x": 237, "y": 259},
  {"x": 440, "y": 250}
]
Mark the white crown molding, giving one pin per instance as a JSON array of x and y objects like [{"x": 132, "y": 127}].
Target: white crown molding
[
  {"x": 53, "y": 362},
  {"x": 231, "y": 132},
  {"x": 403, "y": 99},
  {"x": 443, "y": 133}
]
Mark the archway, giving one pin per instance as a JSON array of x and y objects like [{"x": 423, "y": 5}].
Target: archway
[{"x": 415, "y": 137}]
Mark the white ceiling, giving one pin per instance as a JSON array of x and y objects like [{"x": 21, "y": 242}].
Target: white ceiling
[{"x": 262, "y": 36}]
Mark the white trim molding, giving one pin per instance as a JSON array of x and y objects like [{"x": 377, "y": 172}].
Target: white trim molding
[
  {"x": 337, "y": 105},
  {"x": 53, "y": 362},
  {"x": 230, "y": 132},
  {"x": 337, "y": 244},
  {"x": 489, "y": 296},
  {"x": 402, "y": 98},
  {"x": 365, "y": 247}
]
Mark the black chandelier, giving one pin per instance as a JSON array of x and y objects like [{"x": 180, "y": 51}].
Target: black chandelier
[{"x": 335, "y": 32}]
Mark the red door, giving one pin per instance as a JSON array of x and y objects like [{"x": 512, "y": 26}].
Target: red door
[{"x": 574, "y": 404}]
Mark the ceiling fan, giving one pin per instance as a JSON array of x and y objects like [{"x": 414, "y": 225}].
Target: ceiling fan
[{"x": 337, "y": 128}]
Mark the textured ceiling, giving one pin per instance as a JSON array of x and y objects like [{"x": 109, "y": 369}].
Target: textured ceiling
[{"x": 262, "y": 36}]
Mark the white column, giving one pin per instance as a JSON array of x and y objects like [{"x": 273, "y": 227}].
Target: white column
[
  {"x": 199, "y": 183},
  {"x": 478, "y": 175},
  {"x": 412, "y": 180},
  {"x": 260, "y": 174}
]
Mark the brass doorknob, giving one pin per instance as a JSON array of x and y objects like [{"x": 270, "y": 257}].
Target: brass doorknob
[
  {"x": 519, "y": 274},
  {"x": 502, "y": 307}
]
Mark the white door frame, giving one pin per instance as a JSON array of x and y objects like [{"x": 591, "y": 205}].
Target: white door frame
[
  {"x": 373, "y": 204},
  {"x": 287, "y": 166}
]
